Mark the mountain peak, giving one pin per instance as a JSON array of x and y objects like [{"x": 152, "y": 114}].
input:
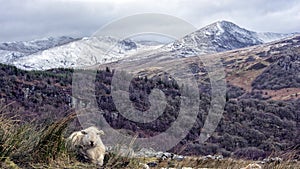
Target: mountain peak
[
  {"x": 224, "y": 26},
  {"x": 218, "y": 37},
  {"x": 224, "y": 22}
]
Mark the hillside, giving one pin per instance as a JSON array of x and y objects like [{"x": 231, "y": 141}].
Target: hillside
[
  {"x": 219, "y": 37},
  {"x": 259, "y": 119},
  {"x": 11, "y": 51}
]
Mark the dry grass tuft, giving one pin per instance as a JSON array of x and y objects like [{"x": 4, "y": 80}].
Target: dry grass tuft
[{"x": 31, "y": 146}]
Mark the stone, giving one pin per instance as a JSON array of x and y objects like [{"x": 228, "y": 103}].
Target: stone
[{"x": 152, "y": 164}]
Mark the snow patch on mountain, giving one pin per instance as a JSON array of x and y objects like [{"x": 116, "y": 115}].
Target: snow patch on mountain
[
  {"x": 82, "y": 53},
  {"x": 218, "y": 37},
  {"x": 66, "y": 52},
  {"x": 269, "y": 36},
  {"x": 11, "y": 51}
]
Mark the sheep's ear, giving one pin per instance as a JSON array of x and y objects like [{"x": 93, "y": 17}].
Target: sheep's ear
[
  {"x": 83, "y": 132},
  {"x": 101, "y": 132}
]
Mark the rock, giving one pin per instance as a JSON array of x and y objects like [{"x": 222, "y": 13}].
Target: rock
[
  {"x": 159, "y": 154},
  {"x": 272, "y": 160},
  {"x": 164, "y": 156},
  {"x": 178, "y": 157},
  {"x": 168, "y": 155},
  {"x": 209, "y": 157},
  {"x": 213, "y": 157},
  {"x": 219, "y": 157},
  {"x": 144, "y": 152},
  {"x": 152, "y": 164}
]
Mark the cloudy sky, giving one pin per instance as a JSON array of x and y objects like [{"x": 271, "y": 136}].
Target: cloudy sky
[{"x": 30, "y": 19}]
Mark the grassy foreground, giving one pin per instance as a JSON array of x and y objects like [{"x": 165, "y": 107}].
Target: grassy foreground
[{"x": 27, "y": 145}]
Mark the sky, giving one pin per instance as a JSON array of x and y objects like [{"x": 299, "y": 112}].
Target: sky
[{"x": 31, "y": 19}]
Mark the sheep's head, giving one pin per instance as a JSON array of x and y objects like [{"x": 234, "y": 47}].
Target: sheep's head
[{"x": 91, "y": 137}]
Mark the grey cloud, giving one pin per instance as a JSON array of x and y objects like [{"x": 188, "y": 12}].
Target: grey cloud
[{"x": 28, "y": 19}]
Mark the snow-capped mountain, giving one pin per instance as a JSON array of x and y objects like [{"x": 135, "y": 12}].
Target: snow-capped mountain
[
  {"x": 68, "y": 52},
  {"x": 270, "y": 36},
  {"x": 12, "y": 51},
  {"x": 218, "y": 37},
  {"x": 82, "y": 53}
]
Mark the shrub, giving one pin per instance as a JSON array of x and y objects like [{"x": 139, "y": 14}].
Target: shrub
[{"x": 250, "y": 153}]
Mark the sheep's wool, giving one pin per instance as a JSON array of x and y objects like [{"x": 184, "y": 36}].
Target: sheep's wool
[{"x": 89, "y": 143}]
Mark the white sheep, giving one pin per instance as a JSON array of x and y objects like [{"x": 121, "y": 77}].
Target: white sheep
[
  {"x": 88, "y": 143},
  {"x": 74, "y": 140}
]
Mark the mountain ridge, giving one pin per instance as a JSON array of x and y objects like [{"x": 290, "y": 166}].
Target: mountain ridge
[
  {"x": 222, "y": 36},
  {"x": 217, "y": 37},
  {"x": 10, "y": 51}
]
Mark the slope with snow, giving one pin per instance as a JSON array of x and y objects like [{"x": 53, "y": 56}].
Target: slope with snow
[
  {"x": 68, "y": 52},
  {"x": 218, "y": 37},
  {"x": 11, "y": 51},
  {"x": 82, "y": 53},
  {"x": 270, "y": 36}
]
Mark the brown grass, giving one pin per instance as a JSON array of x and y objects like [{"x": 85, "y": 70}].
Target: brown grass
[{"x": 27, "y": 146}]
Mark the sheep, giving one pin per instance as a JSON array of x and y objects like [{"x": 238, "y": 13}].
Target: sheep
[
  {"x": 74, "y": 140},
  {"x": 88, "y": 143}
]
